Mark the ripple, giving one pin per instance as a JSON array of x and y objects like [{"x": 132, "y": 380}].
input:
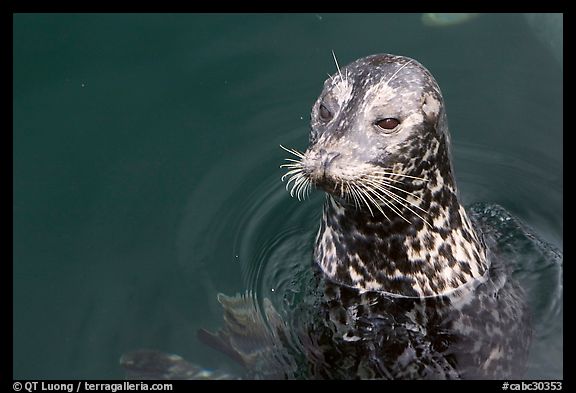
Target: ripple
[
  {"x": 526, "y": 183},
  {"x": 273, "y": 235}
]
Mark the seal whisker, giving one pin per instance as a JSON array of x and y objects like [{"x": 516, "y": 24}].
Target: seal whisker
[
  {"x": 308, "y": 187},
  {"x": 292, "y": 190},
  {"x": 377, "y": 172},
  {"x": 388, "y": 177},
  {"x": 384, "y": 188},
  {"x": 354, "y": 198},
  {"x": 297, "y": 153},
  {"x": 361, "y": 196},
  {"x": 293, "y": 166},
  {"x": 293, "y": 151},
  {"x": 294, "y": 170},
  {"x": 290, "y": 173},
  {"x": 293, "y": 178},
  {"x": 299, "y": 190},
  {"x": 384, "y": 183},
  {"x": 390, "y": 204},
  {"x": 364, "y": 190},
  {"x": 337, "y": 66},
  {"x": 297, "y": 184},
  {"x": 376, "y": 205},
  {"x": 302, "y": 188},
  {"x": 293, "y": 160},
  {"x": 382, "y": 178},
  {"x": 357, "y": 195},
  {"x": 398, "y": 199},
  {"x": 290, "y": 180},
  {"x": 350, "y": 191},
  {"x": 398, "y": 70}
]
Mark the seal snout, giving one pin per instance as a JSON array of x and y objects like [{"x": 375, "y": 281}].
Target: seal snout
[
  {"x": 319, "y": 165},
  {"x": 326, "y": 159}
]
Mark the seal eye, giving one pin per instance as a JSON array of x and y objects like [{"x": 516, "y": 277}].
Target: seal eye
[
  {"x": 325, "y": 114},
  {"x": 388, "y": 124}
]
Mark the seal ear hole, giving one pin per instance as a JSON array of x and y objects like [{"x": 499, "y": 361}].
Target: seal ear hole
[
  {"x": 325, "y": 114},
  {"x": 430, "y": 107},
  {"x": 387, "y": 124}
]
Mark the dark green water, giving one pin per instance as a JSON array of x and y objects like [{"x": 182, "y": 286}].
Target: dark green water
[{"x": 146, "y": 159}]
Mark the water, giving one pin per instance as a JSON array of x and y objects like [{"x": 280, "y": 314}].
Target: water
[{"x": 146, "y": 168}]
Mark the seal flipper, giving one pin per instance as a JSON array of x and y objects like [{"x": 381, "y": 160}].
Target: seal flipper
[
  {"x": 148, "y": 364},
  {"x": 250, "y": 336}
]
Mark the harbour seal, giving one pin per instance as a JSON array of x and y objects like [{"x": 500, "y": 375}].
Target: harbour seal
[
  {"x": 405, "y": 284},
  {"x": 396, "y": 247}
]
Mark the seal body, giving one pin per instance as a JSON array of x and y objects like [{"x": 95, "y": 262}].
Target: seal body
[
  {"x": 370, "y": 335},
  {"x": 410, "y": 288}
]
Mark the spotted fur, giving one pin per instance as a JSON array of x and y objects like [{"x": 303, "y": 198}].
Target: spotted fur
[
  {"x": 395, "y": 250},
  {"x": 408, "y": 289}
]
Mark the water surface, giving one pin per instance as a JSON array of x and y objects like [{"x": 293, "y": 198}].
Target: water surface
[{"x": 146, "y": 167}]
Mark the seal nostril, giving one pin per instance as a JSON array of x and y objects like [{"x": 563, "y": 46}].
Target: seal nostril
[
  {"x": 331, "y": 157},
  {"x": 327, "y": 160}
]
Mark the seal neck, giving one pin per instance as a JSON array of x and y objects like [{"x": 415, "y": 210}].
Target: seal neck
[{"x": 407, "y": 259}]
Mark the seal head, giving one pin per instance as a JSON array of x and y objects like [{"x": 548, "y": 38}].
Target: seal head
[{"x": 379, "y": 146}]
